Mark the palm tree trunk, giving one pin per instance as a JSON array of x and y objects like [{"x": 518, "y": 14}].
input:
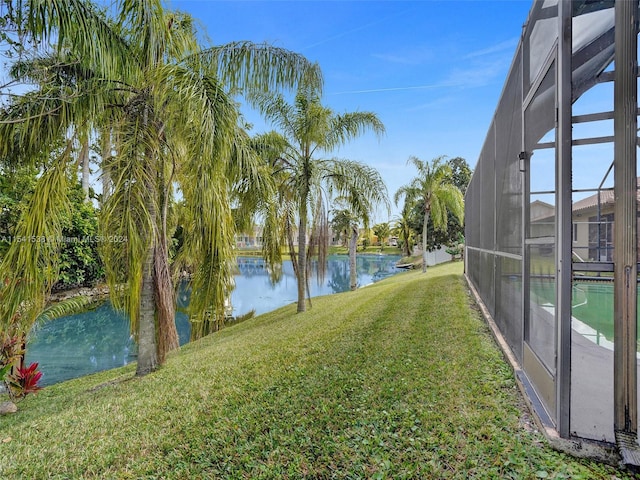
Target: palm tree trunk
[
  {"x": 353, "y": 243},
  {"x": 84, "y": 161},
  {"x": 147, "y": 345},
  {"x": 406, "y": 247},
  {"x": 424, "y": 241},
  {"x": 302, "y": 255},
  {"x": 147, "y": 340},
  {"x": 106, "y": 148},
  {"x": 167, "y": 336},
  {"x": 165, "y": 297}
]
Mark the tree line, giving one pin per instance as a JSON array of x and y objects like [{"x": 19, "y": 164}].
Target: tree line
[{"x": 439, "y": 186}]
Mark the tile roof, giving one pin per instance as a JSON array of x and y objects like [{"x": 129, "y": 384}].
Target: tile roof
[{"x": 606, "y": 198}]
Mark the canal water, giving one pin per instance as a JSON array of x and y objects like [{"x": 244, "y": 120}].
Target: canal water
[{"x": 99, "y": 339}]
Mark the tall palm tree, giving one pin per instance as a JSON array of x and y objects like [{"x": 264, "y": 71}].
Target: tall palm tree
[
  {"x": 434, "y": 187},
  {"x": 402, "y": 228},
  {"x": 143, "y": 79},
  {"x": 307, "y": 130}
]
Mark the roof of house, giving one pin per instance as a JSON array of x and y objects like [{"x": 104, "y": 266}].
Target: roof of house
[
  {"x": 606, "y": 198},
  {"x": 540, "y": 210}
]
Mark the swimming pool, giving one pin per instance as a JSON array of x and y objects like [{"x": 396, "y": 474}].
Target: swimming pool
[{"x": 591, "y": 306}]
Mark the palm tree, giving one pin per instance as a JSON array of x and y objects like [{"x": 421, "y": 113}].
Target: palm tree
[
  {"x": 434, "y": 187},
  {"x": 361, "y": 204},
  {"x": 359, "y": 208},
  {"x": 341, "y": 225},
  {"x": 382, "y": 231},
  {"x": 306, "y": 182},
  {"x": 143, "y": 80},
  {"x": 402, "y": 228}
]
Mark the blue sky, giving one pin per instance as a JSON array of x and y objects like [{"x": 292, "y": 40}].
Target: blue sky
[{"x": 432, "y": 70}]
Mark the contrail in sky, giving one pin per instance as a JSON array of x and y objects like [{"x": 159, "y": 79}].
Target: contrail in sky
[
  {"x": 397, "y": 89},
  {"x": 357, "y": 29}
]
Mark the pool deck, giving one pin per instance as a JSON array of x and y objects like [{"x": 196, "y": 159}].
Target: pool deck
[{"x": 591, "y": 389}]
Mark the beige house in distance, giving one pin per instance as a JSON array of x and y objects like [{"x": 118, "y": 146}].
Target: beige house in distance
[
  {"x": 253, "y": 240},
  {"x": 592, "y": 225}
]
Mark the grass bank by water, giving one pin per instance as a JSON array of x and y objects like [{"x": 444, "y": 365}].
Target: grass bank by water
[{"x": 397, "y": 380}]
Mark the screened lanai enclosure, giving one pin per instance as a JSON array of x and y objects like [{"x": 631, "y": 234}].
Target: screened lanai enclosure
[{"x": 552, "y": 220}]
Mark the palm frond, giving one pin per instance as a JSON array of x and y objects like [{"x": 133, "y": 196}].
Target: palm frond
[
  {"x": 70, "y": 306},
  {"x": 246, "y": 66},
  {"x": 208, "y": 248},
  {"x": 360, "y": 186},
  {"x": 348, "y": 126},
  {"x": 80, "y": 26},
  {"x": 317, "y": 248},
  {"x": 275, "y": 110},
  {"x": 29, "y": 268},
  {"x": 126, "y": 223}
]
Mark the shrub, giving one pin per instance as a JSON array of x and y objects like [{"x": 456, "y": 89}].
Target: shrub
[
  {"x": 23, "y": 381},
  {"x": 18, "y": 380}
]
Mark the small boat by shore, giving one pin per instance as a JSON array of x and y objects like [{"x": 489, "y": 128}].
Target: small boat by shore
[{"x": 406, "y": 266}]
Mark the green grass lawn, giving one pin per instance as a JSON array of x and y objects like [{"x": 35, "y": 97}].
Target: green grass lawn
[{"x": 400, "y": 379}]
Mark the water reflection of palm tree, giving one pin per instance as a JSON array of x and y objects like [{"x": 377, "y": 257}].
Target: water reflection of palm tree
[
  {"x": 365, "y": 264},
  {"x": 339, "y": 278}
]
